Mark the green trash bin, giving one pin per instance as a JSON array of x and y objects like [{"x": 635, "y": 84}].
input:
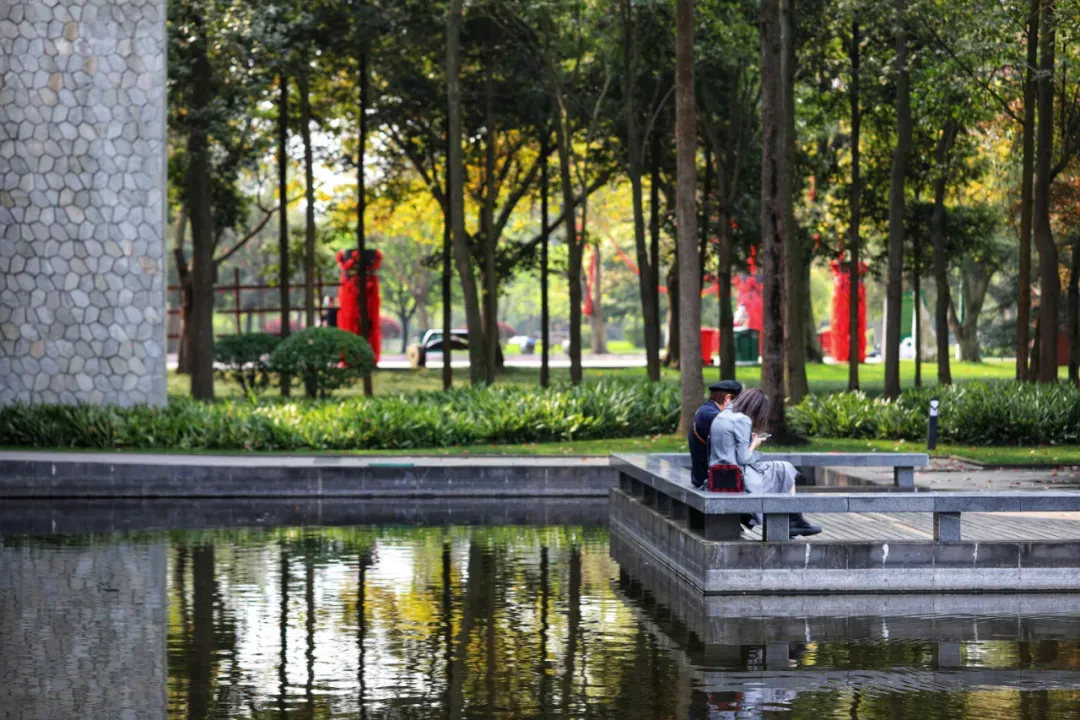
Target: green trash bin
[{"x": 747, "y": 344}]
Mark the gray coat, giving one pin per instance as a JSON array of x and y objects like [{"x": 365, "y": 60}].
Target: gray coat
[{"x": 729, "y": 444}]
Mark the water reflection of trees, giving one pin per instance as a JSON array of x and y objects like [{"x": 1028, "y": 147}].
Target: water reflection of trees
[
  {"x": 452, "y": 623},
  {"x": 411, "y": 623}
]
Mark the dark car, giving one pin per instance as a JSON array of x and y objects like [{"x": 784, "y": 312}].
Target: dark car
[{"x": 432, "y": 341}]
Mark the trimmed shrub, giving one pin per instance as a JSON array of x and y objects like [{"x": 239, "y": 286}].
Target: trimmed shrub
[
  {"x": 324, "y": 358},
  {"x": 1002, "y": 413},
  {"x": 466, "y": 416},
  {"x": 246, "y": 359}
]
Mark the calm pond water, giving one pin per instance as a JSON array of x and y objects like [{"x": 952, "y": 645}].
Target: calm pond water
[{"x": 461, "y": 622}]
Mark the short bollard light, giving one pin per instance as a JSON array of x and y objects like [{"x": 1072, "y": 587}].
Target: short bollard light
[{"x": 931, "y": 440}]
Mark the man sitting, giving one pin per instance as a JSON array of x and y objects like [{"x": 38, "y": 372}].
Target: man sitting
[{"x": 720, "y": 396}]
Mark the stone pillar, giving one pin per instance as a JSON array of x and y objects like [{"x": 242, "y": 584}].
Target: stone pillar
[{"x": 82, "y": 201}]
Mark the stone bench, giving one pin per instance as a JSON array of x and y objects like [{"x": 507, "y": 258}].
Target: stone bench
[
  {"x": 903, "y": 464},
  {"x": 663, "y": 481}
]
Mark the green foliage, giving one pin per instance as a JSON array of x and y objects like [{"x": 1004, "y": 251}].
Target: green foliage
[
  {"x": 246, "y": 359},
  {"x": 421, "y": 420},
  {"x": 1003, "y": 413},
  {"x": 325, "y": 358}
]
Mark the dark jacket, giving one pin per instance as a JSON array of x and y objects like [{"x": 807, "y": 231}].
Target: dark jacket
[{"x": 698, "y": 438}]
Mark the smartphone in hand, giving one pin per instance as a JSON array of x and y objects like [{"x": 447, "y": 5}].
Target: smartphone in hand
[{"x": 762, "y": 436}]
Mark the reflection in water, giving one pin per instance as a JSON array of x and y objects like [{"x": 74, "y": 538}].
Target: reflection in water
[{"x": 507, "y": 622}]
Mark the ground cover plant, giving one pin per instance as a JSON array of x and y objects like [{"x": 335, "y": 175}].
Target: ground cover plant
[
  {"x": 974, "y": 414},
  {"x": 420, "y": 420},
  {"x": 992, "y": 414}
]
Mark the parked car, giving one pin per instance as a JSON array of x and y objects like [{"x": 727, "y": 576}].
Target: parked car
[{"x": 432, "y": 342}]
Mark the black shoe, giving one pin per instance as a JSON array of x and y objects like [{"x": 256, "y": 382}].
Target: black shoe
[
  {"x": 749, "y": 521},
  {"x": 799, "y": 526}
]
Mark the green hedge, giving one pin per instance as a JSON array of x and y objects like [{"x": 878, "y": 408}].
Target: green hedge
[
  {"x": 422, "y": 420},
  {"x": 1001, "y": 413}
]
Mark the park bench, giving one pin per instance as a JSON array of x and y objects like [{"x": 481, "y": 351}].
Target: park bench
[
  {"x": 663, "y": 482},
  {"x": 902, "y": 464}
]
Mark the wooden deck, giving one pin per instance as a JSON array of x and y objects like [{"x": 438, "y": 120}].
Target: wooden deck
[{"x": 975, "y": 527}]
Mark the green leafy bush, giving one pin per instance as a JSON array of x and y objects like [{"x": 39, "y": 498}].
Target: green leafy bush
[
  {"x": 464, "y": 416},
  {"x": 246, "y": 359},
  {"x": 324, "y": 358},
  {"x": 1003, "y": 413}
]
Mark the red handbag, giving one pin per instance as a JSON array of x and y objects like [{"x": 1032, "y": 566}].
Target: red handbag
[{"x": 725, "y": 478}]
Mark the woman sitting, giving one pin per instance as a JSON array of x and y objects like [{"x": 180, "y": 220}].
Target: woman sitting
[{"x": 734, "y": 440}]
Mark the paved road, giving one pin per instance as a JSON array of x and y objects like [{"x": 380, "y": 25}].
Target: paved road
[{"x": 400, "y": 362}]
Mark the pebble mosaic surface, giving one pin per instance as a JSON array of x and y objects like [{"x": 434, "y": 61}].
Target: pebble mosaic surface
[{"x": 82, "y": 178}]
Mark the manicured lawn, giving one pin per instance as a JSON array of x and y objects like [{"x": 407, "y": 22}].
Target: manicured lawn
[{"x": 823, "y": 378}]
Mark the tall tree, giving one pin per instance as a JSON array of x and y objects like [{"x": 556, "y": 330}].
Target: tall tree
[
  {"x": 200, "y": 207},
  {"x": 477, "y": 341},
  {"x": 545, "y": 307},
  {"x": 283, "y": 212},
  {"x": 686, "y": 214},
  {"x": 304, "y": 82},
  {"x": 941, "y": 261},
  {"x": 774, "y": 232},
  {"x": 894, "y": 288},
  {"x": 361, "y": 205},
  {"x": 1023, "y": 301},
  {"x": 447, "y": 276},
  {"x": 796, "y": 258},
  {"x": 1049, "y": 282},
  {"x": 855, "y": 212},
  {"x": 635, "y": 160}
]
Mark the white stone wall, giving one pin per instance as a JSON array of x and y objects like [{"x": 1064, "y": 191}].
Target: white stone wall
[
  {"x": 82, "y": 192},
  {"x": 83, "y": 631}
]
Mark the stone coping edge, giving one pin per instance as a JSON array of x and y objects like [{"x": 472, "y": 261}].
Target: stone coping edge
[{"x": 91, "y": 475}]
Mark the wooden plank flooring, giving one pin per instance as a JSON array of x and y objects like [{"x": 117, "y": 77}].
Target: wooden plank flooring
[{"x": 975, "y": 527}]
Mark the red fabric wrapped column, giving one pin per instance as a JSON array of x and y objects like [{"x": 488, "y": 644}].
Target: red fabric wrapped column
[
  {"x": 348, "y": 294},
  {"x": 839, "y": 324},
  {"x": 349, "y": 298}
]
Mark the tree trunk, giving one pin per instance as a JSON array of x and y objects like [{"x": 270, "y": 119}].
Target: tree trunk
[
  {"x": 796, "y": 257},
  {"x": 894, "y": 289},
  {"x": 361, "y": 206},
  {"x": 1074, "y": 313},
  {"x": 309, "y": 195},
  {"x": 1049, "y": 283},
  {"x": 654, "y": 241},
  {"x": 183, "y": 274},
  {"x": 447, "y": 277},
  {"x": 283, "y": 214},
  {"x": 672, "y": 360},
  {"x": 706, "y": 192},
  {"x": 1033, "y": 364},
  {"x": 975, "y": 283},
  {"x": 693, "y": 389},
  {"x": 201, "y": 208},
  {"x": 491, "y": 280},
  {"x": 727, "y": 317},
  {"x": 477, "y": 358},
  {"x": 773, "y": 230},
  {"x": 941, "y": 271},
  {"x": 545, "y": 308},
  {"x": 596, "y": 322},
  {"x": 854, "y": 337},
  {"x": 646, "y": 286},
  {"x": 811, "y": 343},
  {"x": 574, "y": 244},
  {"x": 1023, "y": 301},
  {"x": 916, "y": 292}
]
